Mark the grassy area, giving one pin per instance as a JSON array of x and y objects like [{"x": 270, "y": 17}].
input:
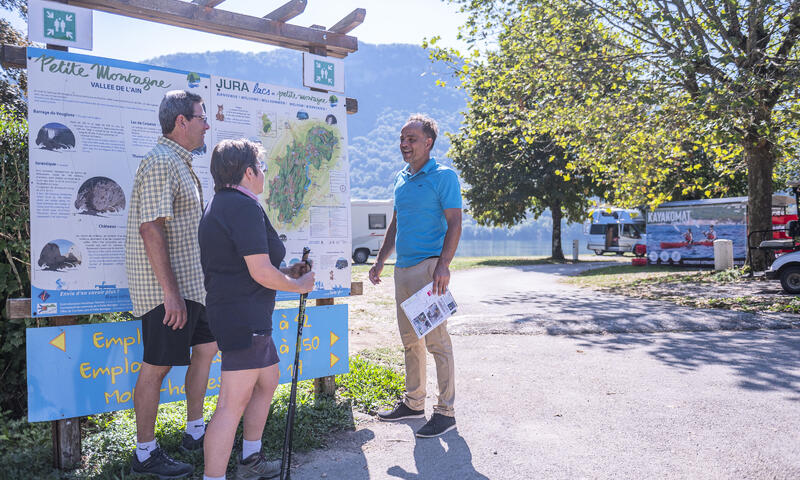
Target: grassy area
[
  {"x": 108, "y": 439},
  {"x": 629, "y": 275}
]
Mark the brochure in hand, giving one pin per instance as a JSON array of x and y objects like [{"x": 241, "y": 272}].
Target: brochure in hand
[{"x": 427, "y": 311}]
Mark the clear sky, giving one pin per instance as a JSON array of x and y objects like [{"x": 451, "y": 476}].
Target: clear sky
[{"x": 387, "y": 21}]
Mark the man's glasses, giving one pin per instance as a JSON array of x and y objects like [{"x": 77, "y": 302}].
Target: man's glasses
[
  {"x": 261, "y": 166},
  {"x": 203, "y": 117}
]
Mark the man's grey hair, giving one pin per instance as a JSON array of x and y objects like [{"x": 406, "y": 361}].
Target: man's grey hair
[
  {"x": 174, "y": 103},
  {"x": 429, "y": 126}
]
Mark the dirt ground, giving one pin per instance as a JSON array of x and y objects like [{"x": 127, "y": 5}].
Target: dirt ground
[{"x": 372, "y": 316}]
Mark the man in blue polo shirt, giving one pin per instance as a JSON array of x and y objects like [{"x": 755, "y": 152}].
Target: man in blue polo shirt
[{"x": 425, "y": 229}]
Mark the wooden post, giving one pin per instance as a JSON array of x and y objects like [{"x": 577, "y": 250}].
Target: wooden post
[
  {"x": 66, "y": 432},
  {"x": 325, "y": 385}
]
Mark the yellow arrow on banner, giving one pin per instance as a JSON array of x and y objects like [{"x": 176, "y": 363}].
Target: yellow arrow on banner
[
  {"x": 334, "y": 338},
  {"x": 334, "y": 359},
  {"x": 60, "y": 342}
]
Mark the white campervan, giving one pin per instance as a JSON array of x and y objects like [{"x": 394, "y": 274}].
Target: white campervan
[
  {"x": 616, "y": 230},
  {"x": 369, "y": 219}
]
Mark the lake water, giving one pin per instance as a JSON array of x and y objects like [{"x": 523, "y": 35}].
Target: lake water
[{"x": 515, "y": 248}]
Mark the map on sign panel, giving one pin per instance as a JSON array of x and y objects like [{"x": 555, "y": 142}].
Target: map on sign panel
[
  {"x": 303, "y": 139},
  {"x": 299, "y": 172}
]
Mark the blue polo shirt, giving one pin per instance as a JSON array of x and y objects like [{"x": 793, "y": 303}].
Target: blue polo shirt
[{"x": 419, "y": 203}]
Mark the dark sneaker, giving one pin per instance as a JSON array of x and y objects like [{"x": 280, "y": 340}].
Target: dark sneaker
[
  {"x": 160, "y": 465},
  {"x": 437, "y": 425},
  {"x": 257, "y": 467},
  {"x": 401, "y": 412},
  {"x": 189, "y": 444}
]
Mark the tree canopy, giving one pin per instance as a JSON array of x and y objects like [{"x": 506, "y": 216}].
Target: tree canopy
[
  {"x": 13, "y": 81},
  {"x": 659, "y": 99}
]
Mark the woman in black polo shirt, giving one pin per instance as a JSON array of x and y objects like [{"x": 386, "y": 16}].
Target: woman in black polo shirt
[{"x": 241, "y": 256}]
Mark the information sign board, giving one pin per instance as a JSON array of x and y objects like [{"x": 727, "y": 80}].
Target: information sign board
[
  {"x": 93, "y": 119},
  {"x": 80, "y": 370}
]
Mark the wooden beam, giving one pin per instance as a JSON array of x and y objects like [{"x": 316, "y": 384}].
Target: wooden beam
[
  {"x": 351, "y": 21},
  {"x": 222, "y": 22},
  {"x": 287, "y": 11},
  {"x": 207, "y": 3},
  {"x": 21, "y": 307}
]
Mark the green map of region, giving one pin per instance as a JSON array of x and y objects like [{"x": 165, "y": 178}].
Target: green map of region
[
  {"x": 300, "y": 163},
  {"x": 266, "y": 124}
]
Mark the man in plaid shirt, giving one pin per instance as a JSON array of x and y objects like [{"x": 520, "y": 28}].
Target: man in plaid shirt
[{"x": 162, "y": 258}]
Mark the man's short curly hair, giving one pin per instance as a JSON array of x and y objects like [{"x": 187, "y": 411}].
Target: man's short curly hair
[{"x": 429, "y": 126}]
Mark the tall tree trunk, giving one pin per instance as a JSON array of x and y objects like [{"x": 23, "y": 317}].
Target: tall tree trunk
[
  {"x": 555, "y": 210},
  {"x": 760, "y": 161}
]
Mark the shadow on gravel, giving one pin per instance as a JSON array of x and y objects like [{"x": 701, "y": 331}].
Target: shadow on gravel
[
  {"x": 447, "y": 456},
  {"x": 763, "y": 361},
  {"x": 581, "y": 312}
]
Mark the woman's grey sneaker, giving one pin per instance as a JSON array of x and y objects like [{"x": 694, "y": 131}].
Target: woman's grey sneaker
[
  {"x": 256, "y": 467},
  {"x": 189, "y": 444},
  {"x": 400, "y": 412},
  {"x": 160, "y": 465},
  {"x": 437, "y": 425}
]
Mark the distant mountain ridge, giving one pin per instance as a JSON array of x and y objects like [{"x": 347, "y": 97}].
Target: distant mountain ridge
[{"x": 390, "y": 82}]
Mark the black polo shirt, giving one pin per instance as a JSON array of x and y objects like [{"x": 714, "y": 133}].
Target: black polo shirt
[{"x": 234, "y": 226}]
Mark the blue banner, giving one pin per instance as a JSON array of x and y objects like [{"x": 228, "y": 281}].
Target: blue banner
[{"x": 81, "y": 370}]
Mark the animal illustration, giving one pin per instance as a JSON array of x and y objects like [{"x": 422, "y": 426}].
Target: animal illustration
[
  {"x": 55, "y": 136},
  {"x": 99, "y": 195},
  {"x": 51, "y": 258},
  {"x": 220, "y": 115}
]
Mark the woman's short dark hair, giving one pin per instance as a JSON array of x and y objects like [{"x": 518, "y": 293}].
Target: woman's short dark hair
[{"x": 229, "y": 161}]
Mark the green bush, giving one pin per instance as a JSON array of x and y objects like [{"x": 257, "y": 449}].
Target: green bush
[{"x": 14, "y": 257}]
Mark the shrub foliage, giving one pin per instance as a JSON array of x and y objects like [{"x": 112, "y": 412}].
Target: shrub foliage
[{"x": 14, "y": 256}]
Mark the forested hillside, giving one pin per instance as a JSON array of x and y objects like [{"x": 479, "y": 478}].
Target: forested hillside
[{"x": 390, "y": 82}]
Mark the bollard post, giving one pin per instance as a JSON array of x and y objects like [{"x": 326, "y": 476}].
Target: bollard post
[
  {"x": 723, "y": 254},
  {"x": 575, "y": 248}
]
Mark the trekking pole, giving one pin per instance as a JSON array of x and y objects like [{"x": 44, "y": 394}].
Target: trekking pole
[{"x": 286, "y": 459}]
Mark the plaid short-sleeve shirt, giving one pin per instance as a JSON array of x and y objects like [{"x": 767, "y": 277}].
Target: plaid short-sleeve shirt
[{"x": 165, "y": 186}]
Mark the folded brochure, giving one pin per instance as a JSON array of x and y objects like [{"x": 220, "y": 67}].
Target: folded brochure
[{"x": 427, "y": 311}]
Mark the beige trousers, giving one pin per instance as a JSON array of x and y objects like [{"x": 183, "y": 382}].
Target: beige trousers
[{"x": 407, "y": 281}]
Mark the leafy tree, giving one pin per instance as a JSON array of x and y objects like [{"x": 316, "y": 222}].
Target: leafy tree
[
  {"x": 642, "y": 90},
  {"x": 510, "y": 173},
  {"x": 13, "y": 81}
]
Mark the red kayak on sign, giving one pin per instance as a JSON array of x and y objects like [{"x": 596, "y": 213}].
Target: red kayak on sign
[{"x": 704, "y": 243}]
